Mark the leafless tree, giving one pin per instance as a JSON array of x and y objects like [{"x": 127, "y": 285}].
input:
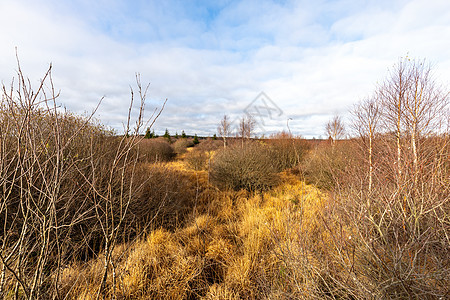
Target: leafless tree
[
  {"x": 246, "y": 127},
  {"x": 224, "y": 129},
  {"x": 392, "y": 93},
  {"x": 402, "y": 238},
  {"x": 414, "y": 106},
  {"x": 366, "y": 121},
  {"x": 335, "y": 129},
  {"x": 426, "y": 107}
]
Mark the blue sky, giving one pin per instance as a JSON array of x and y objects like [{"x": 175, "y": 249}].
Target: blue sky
[{"x": 314, "y": 59}]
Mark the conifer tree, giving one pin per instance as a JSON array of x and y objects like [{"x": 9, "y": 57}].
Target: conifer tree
[
  {"x": 148, "y": 134},
  {"x": 196, "y": 140},
  {"x": 167, "y": 135}
]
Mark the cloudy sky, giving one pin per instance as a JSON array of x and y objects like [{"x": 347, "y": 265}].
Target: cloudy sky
[{"x": 312, "y": 59}]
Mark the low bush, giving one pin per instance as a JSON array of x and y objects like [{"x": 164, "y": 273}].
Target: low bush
[
  {"x": 68, "y": 166},
  {"x": 165, "y": 198},
  {"x": 328, "y": 166},
  {"x": 287, "y": 152},
  {"x": 196, "y": 159},
  {"x": 209, "y": 145},
  {"x": 155, "y": 150},
  {"x": 180, "y": 146},
  {"x": 66, "y": 187},
  {"x": 250, "y": 167}
]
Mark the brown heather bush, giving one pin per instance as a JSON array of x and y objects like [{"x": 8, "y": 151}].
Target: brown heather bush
[
  {"x": 155, "y": 150},
  {"x": 196, "y": 159},
  {"x": 180, "y": 145},
  {"x": 66, "y": 188},
  {"x": 329, "y": 166},
  {"x": 248, "y": 167},
  {"x": 287, "y": 151}
]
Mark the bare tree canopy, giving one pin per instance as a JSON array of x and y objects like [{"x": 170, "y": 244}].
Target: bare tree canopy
[
  {"x": 224, "y": 129},
  {"x": 335, "y": 129},
  {"x": 246, "y": 126},
  {"x": 413, "y": 105},
  {"x": 412, "y": 101},
  {"x": 366, "y": 119}
]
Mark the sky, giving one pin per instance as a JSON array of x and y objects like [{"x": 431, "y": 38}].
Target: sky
[{"x": 288, "y": 63}]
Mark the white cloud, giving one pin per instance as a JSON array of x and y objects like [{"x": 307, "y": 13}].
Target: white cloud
[{"x": 314, "y": 59}]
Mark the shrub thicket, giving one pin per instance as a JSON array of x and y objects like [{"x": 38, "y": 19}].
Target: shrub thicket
[
  {"x": 250, "y": 167},
  {"x": 181, "y": 145},
  {"x": 391, "y": 190},
  {"x": 196, "y": 159},
  {"x": 287, "y": 151},
  {"x": 155, "y": 150},
  {"x": 66, "y": 188},
  {"x": 328, "y": 166}
]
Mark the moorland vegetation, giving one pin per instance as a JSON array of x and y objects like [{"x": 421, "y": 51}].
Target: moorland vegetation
[{"x": 87, "y": 213}]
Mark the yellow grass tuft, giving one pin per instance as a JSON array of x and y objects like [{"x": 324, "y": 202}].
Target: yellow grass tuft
[{"x": 243, "y": 246}]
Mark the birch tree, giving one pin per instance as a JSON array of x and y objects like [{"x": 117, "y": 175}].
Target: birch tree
[{"x": 224, "y": 129}]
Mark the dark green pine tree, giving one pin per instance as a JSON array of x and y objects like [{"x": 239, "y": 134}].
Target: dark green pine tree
[
  {"x": 196, "y": 139},
  {"x": 183, "y": 134},
  {"x": 214, "y": 137},
  {"x": 148, "y": 133},
  {"x": 176, "y": 134},
  {"x": 166, "y": 134}
]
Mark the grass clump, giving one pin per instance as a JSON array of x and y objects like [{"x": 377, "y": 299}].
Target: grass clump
[{"x": 239, "y": 247}]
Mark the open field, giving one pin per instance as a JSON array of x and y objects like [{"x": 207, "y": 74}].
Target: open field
[{"x": 89, "y": 214}]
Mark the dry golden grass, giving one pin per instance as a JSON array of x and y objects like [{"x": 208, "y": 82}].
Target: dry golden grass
[{"x": 244, "y": 246}]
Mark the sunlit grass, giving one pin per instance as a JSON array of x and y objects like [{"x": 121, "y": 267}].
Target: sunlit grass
[{"x": 236, "y": 249}]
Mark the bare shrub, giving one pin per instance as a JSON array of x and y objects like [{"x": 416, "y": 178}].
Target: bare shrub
[
  {"x": 251, "y": 168},
  {"x": 196, "y": 159},
  {"x": 181, "y": 145},
  {"x": 399, "y": 237},
  {"x": 45, "y": 163},
  {"x": 155, "y": 150},
  {"x": 328, "y": 166},
  {"x": 166, "y": 197},
  {"x": 65, "y": 185},
  {"x": 287, "y": 151}
]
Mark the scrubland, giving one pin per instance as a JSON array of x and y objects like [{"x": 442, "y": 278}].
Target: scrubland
[{"x": 89, "y": 214}]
